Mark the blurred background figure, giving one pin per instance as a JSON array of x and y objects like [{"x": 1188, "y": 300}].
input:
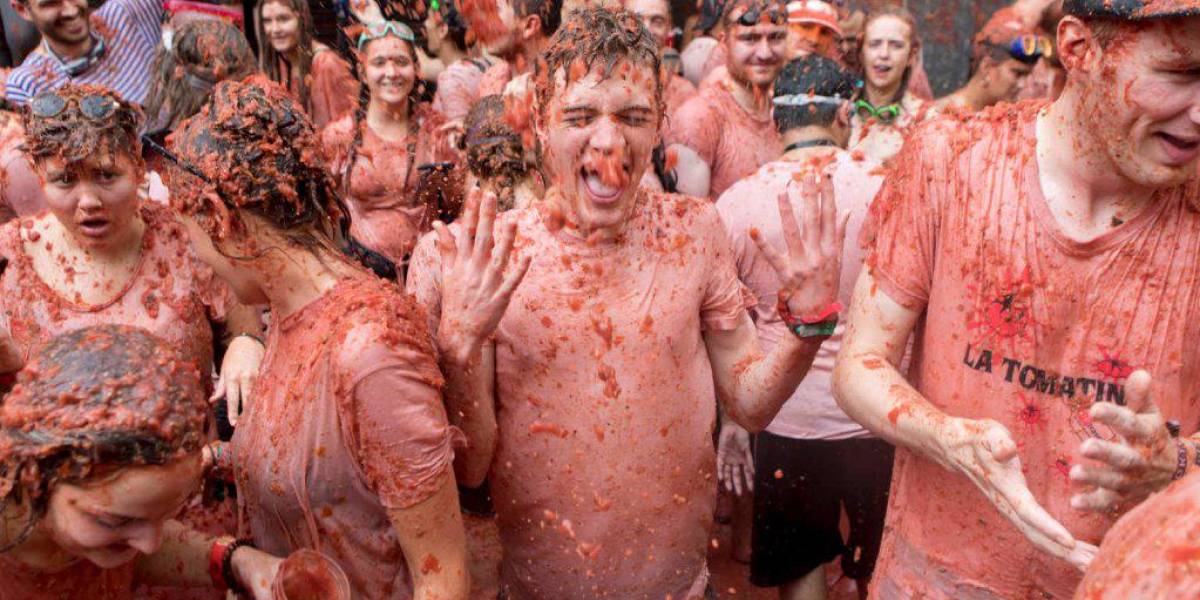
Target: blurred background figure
[{"x": 813, "y": 28}]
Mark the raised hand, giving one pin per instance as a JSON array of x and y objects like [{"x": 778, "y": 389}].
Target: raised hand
[
  {"x": 1142, "y": 460},
  {"x": 735, "y": 462},
  {"x": 985, "y": 452},
  {"x": 810, "y": 270},
  {"x": 239, "y": 369},
  {"x": 476, "y": 289}
]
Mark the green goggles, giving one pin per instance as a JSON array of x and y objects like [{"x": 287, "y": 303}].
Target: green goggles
[
  {"x": 885, "y": 114},
  {"x": 383, "y": 28}
]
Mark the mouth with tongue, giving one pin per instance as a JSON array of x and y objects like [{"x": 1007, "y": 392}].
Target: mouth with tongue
[
  {"x": 604, "y": 177},
  {"x": 94, "y": 227}
]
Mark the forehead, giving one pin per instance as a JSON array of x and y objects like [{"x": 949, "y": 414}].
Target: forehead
[
  {"x": 628, "y": 84},
  {"x": 386, "y": 46},
  {"x": 1172, "y": 39},
  {"x": 888, "y": 28},
  {"x": 276, "y": 9},
  {"x": 144, "y": 491},
  {"x": 647, "y": 7}
]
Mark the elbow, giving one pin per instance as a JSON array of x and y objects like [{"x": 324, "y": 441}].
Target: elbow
[{"x": 751, "y": 421}]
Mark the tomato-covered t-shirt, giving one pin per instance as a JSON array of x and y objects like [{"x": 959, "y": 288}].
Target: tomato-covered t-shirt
[{"x": 1026, "y": 326}]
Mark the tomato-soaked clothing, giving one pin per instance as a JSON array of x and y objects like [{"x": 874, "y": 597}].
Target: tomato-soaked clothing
[
  {"x": 80, "y": 581},
  {"x": 495, "y": 78},
  {"x": 603, "y": 479},
  {"x": 676, "y": 91},
  {"x": 385, "y": 213},
  {"x": 458, "y": 88},
  {"x": 1025, "y": 326},
  {"x": 333, "y": 90},
  {"x": 347, "y": 423},
  {"x": 880, "y": 141},
  {"x": 171, "y": 294},
  {"x": 752, "y": 203},
  {"x": 1153, "y": 551},
  {"x": 733, "y": 142}
]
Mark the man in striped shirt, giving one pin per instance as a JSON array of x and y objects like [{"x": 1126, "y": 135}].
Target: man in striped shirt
[{"x": 114, "y": 47}]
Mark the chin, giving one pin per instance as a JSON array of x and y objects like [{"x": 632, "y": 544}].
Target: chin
[{"x": 108, "y": 559}]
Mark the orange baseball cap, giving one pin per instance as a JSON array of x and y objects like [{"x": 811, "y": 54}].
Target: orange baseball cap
[{"x": 815, "y": 12}]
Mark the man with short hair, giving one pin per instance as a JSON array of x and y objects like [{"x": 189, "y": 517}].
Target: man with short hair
[
  {"x": 114, "y": 47},
  {"x": 812, "y": 460},
  {"x": 1048, "y": 252},
  {"x": 656, "y": 17},
  {"x": 1003, "y": 55},
  {"x": 725, "y": 132},
  {"x": 516, "y": 34},
  {"x": 594, "y": 380}
]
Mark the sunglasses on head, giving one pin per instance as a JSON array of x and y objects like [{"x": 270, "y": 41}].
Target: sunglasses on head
[
  {"x": 1029, "y": 48},
  {"x": 95, "y": 107},
  {"x": 383, "y": 28},
  {"x": 885, "y": 114},
  {"x": 751, "y": 17}
]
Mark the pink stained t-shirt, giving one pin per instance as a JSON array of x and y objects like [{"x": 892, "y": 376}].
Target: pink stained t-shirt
[
  {"x": 80, "y": 581},
  {"x": 734, "y": 143},
  {"x": 385, "y": 214},
  {"x": 495, "y": 78},
  {"x": 1153, "y": 551},
  {"x": 172, "y": 294},
  {"x": 1025, "y": 326},
  {"x": 347, "y": 423},
  {"x": 333, "y": 90},
  {"x": 811, "y": 413},
  {"x": 676, "y": 92},
  {"x": 603, "y": 478},
  {"x": 458, "y": 88}
]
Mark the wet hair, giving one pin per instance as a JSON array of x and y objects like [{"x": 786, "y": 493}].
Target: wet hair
[
  {"x": 91, "y": 402},
  {"x": 736, "y": 9},
  {"x": 203, "y": 52},
  {"x": 74, "y": 137},
  {"x": 597, "y": 37},
  {"x": 905, "y": 15},
  {"x": 493, "y": 150},
  {"x": 271, "y": 61},
  {"x": 813, "y": 75},
  {"x": 548, "y": 11},
  {"x": 456, "y": 25}
]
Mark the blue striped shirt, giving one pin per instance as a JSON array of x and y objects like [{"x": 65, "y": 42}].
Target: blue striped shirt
[{"x": 131, "y": 30}]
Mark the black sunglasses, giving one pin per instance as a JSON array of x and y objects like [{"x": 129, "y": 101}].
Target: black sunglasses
[
  {"x": 94, "y": 106},
  {"x": 751, "y": 17}
]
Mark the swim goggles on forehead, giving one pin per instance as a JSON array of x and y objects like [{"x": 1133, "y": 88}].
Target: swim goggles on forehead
[
  {"x": 434, "y": 5},
  {"x": 885, "y": 114},
  {"x": 95, "y": 107},
  {"x": 375, "y": 31}
]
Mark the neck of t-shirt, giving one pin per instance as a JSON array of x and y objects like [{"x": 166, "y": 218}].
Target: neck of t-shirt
[{"x": 69, "y": 52}]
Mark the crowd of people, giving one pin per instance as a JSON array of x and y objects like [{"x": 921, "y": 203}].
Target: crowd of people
[{"x": 277, "y": 313}]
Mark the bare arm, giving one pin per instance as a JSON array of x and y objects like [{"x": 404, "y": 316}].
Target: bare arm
[
  {"x": 434, "y": 544},
  {"x": 471, "y": 405},
  {"x": 693, "y": 174},
  {"x": 870, "y": 389},
  {"x": 183, "y": 561},
  {"x": 752, "y": 386}
]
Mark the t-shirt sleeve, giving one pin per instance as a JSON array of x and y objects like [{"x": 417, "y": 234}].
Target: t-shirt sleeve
[
  {"x": 455, "y": 93},
  {"x": 334, "y": 91},
  {"x": 402, "y": 439},
  {"x": 694, "y": 126},
  {"x": 901, "y": 230},
  {"x": 425, "y": 279},
  {"x": 726, "y": 298}
]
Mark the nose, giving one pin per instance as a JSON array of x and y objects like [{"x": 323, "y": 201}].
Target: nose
[
  {"x": 763, "y": 49},
  {"x": 88, "y": 199},
  {"x": 607, "y": 139},
  {"x": 70, "y": 9},
  {"x": 147, "y": 538}
]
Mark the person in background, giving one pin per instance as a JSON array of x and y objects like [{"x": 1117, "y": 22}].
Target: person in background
[
  {"x": 1003, "y": 56},
  {"x": 320, "y": 80},
  {"x": 885, "y": 109},
  {"x": 114, "y": 47},
  {"x": 458, "y": 83},
  {"x": 812, "y": 460},
  {"x": 94, "y": 473},
  {"x": 656, "y": 17},
  {"x": 704, "y": 52},
  {"x": 813, "y": 28},
  {"x": 495, "y": 158},
  {"x": 515, "y": 31},
  {"x": 375, "y": 152},
  {"x": 725, "y": 132}
]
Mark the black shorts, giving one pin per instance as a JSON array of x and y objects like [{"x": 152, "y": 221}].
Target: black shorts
[{"x": 796, "y": 515}]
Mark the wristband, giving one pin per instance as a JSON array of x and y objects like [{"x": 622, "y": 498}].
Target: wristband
[
  {"x": 220, "y": 564},
  {"x": 827, "y": 314},
  {"x": 805, "y": 330},
  {"x": 1182, "y": 461},
  {"x": 255, "y": 337}
]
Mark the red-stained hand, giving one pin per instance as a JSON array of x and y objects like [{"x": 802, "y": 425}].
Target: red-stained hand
[
  {"x": 811, "y": 269},
  {"x": 735, "y": 462},
  {"x": 475, "y": 288},
  {"x": 984, "y": 451},
  {"x": 1139, "y": 463}
]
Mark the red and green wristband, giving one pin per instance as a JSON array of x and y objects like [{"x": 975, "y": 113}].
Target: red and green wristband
[{"x": 822, "y": 324}]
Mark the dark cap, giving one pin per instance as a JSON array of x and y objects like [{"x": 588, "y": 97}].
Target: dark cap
[
  {"x": 815, "y": 75},
  {"x": 1132, "y": 10}
]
